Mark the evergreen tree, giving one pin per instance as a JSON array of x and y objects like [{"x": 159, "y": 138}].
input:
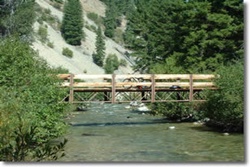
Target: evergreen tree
[
  {"x": 72, "y": 24},
  {"x": 99, "y": 56},
  {"x": 137, "y": 34},
  {"x": 197, "y": 35},
  {"x": 110, "y": 19},
  {"x": 13, "y": 17}
]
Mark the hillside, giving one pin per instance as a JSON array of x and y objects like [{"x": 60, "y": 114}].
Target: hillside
[{"x": 82, "y": 59}]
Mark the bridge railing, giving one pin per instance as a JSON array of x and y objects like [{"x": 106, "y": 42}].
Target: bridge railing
[{"x": 137, "y": 82}]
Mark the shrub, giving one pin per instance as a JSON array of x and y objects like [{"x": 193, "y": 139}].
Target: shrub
[
  {"x": 67, "y": 52},
  {"x": 31, "y": 115},
  {"x": 111, "y": 64},
  {"x": 93, "y": 16},
  {"x": 174, "y": 110},
  {"x": 123, "y": 63},
  {"x": 225, "y": 106},
  {"x": 50, "y": 44},
  {"x": 43, "y": 34}
]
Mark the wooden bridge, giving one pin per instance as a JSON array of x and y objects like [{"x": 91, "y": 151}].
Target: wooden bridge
[{"x": 113, "y": 88}]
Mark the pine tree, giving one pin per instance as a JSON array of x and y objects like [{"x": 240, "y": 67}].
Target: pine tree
[
  {"x": 110, "y": 22},
  {"x": 99, "y": 56},
  {"x": 13, "y": 17},
  {"x": 72, "y": 24},
  {"x": 198, "y": 36}
]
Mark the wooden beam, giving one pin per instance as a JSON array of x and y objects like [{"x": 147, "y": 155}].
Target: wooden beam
[
  {"x": 153, "y": 88},
  {"x": 124, "y": 76},
  {"x": 171, "y": 76},
  {"x": 71, "y": 91},
  {"x": 63, "y": 76},
  {"x": 191, "y": 91},
  {"x": 113, "y": 89},
  {"x": 93, "y": 76}
]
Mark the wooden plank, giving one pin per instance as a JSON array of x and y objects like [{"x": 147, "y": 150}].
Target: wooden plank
[
  {"x": 120, "y": 84},
  {"x": 203, "y": 76},
  {"x": 92, "y": 84},
  {"x": 63, "y": 76},
  {"x": 171, "y": 76},
  {"x": 184, "y": 76},
  {"x": 184, "y": 84},
  {"x": 134, "y": 84},
  {"x": 87, "y": 84},
  {"x": 124, "y": 76},
  {"x": 169, "y": 84},
  {"x": 93, "y": 76},
  {"x": 203, "y": 84}
]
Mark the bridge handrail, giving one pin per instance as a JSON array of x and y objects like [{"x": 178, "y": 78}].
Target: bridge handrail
[{"x": 159, "y": 80}]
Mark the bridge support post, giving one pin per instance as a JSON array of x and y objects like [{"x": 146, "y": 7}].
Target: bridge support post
[
  {"x": 191, "y": 91},
  {"x": 113, "y": 89},
  {"x": 153, "y": 88},
  {"x": 71, "y": 91}
]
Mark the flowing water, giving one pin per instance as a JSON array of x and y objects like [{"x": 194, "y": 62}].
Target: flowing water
[{"x": 113, "y": 133}]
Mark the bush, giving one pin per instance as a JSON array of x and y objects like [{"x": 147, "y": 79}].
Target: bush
[
  {"x": 111, "y": 64},
  {"x": 67, "y": 52},
  {"x": 94, "y": 17},
  {"x": 43, "y": 34},
  {"x": 225, "y": 106},
  {"x": 31, "y": 115},
  {"x": 176, "y": 110},
  {"x": 123, "y": 63},
  {"x": 50, "y": 44}
]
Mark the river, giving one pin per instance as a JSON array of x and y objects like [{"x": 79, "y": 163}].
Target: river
[{"x": 113, "y": 133}]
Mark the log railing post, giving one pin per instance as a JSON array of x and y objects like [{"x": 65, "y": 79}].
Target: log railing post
[
  {"x": 113, "y": 89},
  {"x": 71, "y": 91},
  {"x": 191, "y": 91},
  {"x": 152, "y": 88}
]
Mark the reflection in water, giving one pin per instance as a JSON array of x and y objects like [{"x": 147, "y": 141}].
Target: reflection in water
[{"x": 112, "y": 133}]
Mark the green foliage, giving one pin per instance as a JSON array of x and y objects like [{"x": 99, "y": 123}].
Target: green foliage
[
  {"x": 115, "y": 9},
  {"x": 110, "y": 20},
  {"x": 31, "y": 115},
  {"x": 58, "y": 1},
  {"x": 99, "y": 56},
  {"x": 198, "y": 35},
  {"x": 44, "y": 15},
  {"x": 14, "y": 16},
  {"x": 111, "y": 64},
  {"x": 50, "y": 44},
  {"x": 178, "y": 111},
  {"x": 225, "y": 107},
  {"x": 170, "y": 67},
  {"x": 72, "y": 24},
  {"x": 94, "y": 17},
  {"x": 123, "y": 63},
  {"x": 43, "y": 33},
  {"x": 67, "y": 52}
]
